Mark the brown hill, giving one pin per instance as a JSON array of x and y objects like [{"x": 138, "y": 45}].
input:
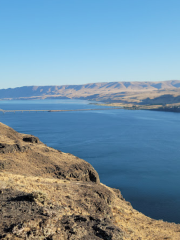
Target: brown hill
[
  {"x": 125, "y": 92},
  {"x": 48, "y": 194}
]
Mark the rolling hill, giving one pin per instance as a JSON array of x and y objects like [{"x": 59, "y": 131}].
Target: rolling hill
[{"x": 164, "y": 92}]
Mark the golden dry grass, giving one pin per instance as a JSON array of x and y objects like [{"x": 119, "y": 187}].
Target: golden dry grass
[
  {"x": 67, "y": 193},
  {"x": 76, "y": 197}
]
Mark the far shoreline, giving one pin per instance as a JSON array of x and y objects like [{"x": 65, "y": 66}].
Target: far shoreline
[
  {"x": 159, "y": 107},
  {"x": 175, "y": 107}
]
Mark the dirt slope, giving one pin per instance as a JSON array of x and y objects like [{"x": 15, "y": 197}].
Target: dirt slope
[{"x": 47, "y": 194}]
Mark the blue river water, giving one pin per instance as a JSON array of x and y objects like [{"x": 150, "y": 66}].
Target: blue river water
[{"x": 137, "y": 152}]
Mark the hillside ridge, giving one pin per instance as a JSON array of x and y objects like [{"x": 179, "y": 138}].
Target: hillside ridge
[
  {"x": 50, "y": 195},
  {"x": 91, "y": 91}
]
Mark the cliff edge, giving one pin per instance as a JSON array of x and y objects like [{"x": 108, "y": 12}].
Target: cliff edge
[{"x": 48, "y": 194}]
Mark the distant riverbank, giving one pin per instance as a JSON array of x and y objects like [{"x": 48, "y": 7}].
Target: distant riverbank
[
  {"x": 164, "y": 109},
  {"x": 167, "y": 108}
]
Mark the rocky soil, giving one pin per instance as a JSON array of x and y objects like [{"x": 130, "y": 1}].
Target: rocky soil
[{"x": 47, "y": 194}]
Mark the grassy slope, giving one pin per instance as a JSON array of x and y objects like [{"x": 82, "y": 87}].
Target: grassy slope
[{"x": 69, "y": 195}]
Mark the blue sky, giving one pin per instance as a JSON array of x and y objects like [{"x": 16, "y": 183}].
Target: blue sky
[{"x": 57, "y": 42}]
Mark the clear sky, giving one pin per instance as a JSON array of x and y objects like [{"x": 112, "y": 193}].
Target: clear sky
[{"x": 57, "y": 42}]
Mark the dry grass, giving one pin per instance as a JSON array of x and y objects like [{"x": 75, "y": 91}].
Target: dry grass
[
  {"x": 66, "y": 193},
  {"x": 76, "y": 197}
]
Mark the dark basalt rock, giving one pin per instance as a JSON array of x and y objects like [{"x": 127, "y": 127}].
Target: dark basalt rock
[
  {"x": 15, "y": 207},
  {"x": 118, "y": 193},
  {"x": 23, "y": 218},
  {"x": 10, "y": 148},
  {"x": 31, "y": 139},
  {"x": 88, "y": 227},
  {"x": 81, "y": 172}
]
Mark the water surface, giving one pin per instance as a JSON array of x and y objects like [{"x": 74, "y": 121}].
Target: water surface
[{"x": 135, "y": 151}]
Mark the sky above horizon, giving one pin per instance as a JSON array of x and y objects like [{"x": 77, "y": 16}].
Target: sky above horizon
[{"x": 45, "y": 42}]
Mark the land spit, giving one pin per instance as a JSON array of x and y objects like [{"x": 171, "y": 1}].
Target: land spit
[{"x": 61, "y": 110}]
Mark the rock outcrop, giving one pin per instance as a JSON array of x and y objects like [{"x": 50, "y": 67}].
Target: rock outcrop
[
  {"x": 37, "y": 159},
  {"x": 46, "y": 194}
]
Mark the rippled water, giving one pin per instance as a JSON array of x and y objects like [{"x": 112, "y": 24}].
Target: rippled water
[{"x": 135, "y": 151}]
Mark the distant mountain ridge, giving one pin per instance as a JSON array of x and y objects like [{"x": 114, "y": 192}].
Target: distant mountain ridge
[{"x": 91, "y": 91}]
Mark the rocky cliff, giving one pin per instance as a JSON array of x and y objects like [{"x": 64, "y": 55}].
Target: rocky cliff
[{"x": 48, "y": 194}]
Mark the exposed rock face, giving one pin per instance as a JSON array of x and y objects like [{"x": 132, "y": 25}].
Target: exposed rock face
[
  {"x": 24, "y": 218},
  {"x": 37, "y": 159},
  {"x": 90, "y": 228},
  {"x": 11, "y": 148},
  {"x": 46, "y": 194},
  {"x": 31, "y": 139}
]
